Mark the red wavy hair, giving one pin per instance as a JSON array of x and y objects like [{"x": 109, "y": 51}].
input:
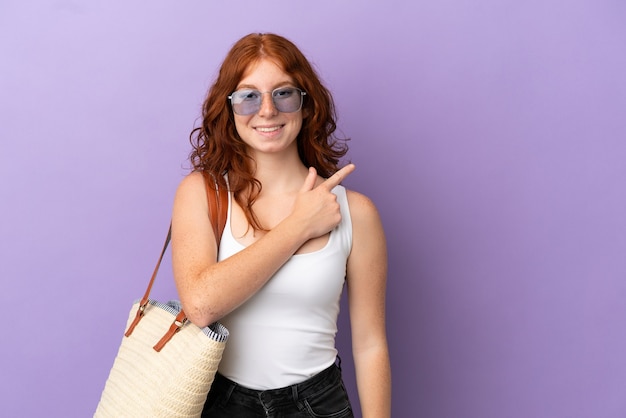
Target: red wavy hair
[{"x": 217, "y": 147}]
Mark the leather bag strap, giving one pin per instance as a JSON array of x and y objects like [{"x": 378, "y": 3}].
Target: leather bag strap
[{"x": 217, "y": 199}]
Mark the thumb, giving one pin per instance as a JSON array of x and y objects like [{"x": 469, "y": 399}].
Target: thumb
[{"x": 309, "y": 182}]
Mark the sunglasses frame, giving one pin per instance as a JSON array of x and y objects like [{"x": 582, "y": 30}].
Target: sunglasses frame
[{"x": 231, "y": 98}]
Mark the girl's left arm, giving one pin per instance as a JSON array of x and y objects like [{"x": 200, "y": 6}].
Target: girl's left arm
[{"x": 366, "y": 279}]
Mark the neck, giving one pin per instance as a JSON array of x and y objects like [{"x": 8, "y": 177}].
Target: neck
[{"x": 280, "y": 175}]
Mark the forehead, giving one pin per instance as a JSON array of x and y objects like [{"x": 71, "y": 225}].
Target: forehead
[{"x": 264, "y": 73}]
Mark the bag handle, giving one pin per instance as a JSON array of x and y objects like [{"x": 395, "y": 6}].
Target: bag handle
[{"x": 217, "y": 199}]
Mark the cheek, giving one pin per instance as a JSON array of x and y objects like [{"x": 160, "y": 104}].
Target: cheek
[
  {"x": 297, "y": 121},
  {"x": 241, "y": 124}
]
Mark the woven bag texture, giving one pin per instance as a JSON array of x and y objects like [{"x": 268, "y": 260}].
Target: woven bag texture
[{"x": 171, "y": 383}]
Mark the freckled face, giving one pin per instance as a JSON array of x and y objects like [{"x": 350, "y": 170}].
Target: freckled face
[{"x": 268, "y": 130}]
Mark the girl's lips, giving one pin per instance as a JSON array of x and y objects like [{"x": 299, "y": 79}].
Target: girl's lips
[{"x": 268, "y": 129}]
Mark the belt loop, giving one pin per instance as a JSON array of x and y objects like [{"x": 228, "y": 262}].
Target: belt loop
[
  {"x": 296, "y": 398},
  {"x": 338, "y": 362},
  {"x": 229, "y": 391}
]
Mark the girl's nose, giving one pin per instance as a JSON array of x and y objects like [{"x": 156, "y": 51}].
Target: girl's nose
[{"x": 267, "y": 105}]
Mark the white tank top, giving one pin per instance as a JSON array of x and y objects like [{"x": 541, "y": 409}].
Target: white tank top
[{"x": 285, "y": 333}]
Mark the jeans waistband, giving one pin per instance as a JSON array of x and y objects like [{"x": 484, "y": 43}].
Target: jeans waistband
[{"x": 293, "y": 392}]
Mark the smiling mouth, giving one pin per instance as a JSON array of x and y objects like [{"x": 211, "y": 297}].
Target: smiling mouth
[{"x": 268, "y": 129}]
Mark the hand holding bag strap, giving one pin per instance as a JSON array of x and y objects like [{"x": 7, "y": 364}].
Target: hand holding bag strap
[{"x": 217, "y": 199}]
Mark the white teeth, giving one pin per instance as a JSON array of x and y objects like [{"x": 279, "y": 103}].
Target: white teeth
[{"x": 272, "y": 129}]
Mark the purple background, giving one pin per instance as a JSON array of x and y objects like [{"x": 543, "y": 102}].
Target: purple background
[{"x": 491, "y": 135}]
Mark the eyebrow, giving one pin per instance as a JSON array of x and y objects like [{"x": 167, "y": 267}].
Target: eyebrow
[{"x": 276, "y": 86}]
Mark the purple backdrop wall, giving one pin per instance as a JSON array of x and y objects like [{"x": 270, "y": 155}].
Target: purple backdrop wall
[{"x": 491, "y": 134}]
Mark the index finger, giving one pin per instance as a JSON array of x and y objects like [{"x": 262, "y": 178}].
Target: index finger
[{"x": 338, "y": 177}]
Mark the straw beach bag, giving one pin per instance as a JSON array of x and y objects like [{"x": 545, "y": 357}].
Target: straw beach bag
[{"x": 165, "y": 364}]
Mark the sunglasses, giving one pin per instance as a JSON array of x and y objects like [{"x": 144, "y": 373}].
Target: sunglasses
[{"x": 248, "y": 101}]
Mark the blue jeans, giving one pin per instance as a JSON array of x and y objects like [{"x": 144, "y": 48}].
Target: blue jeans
[{"x": 323, "y": 395}]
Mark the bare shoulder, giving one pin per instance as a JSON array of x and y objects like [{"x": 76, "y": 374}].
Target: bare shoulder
[
  {"x": 368, "y": 260},
  {"x": 191, "y": 181},
  {"x": 191, "y": 187},
  {"x": 190, "y": 196},
  {"x": 362, "y": 208}
]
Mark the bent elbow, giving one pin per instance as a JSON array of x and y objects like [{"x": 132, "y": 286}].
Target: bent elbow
[{"x": 199, "y": 314}]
